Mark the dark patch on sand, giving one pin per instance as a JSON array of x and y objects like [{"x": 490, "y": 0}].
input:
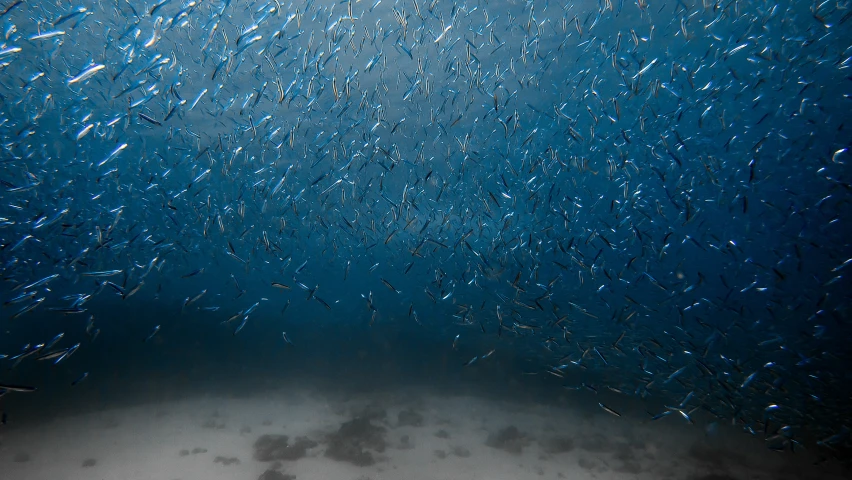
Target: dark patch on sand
[
  {"x": 226, "y": 460},
  {"x": 89, "y": 462},
  {"x": 442, "y": 434},
  {"x": 353, "y": 441},
  {"x": 22, "y": 457},
  {"x": 717, "y": 456},
  {"x": 405, "y": 443},
  {"x": 627, "y": 457},
  {"x": 555, "y": 445},
  {"x": 633, "y": 468},
  {"x": 275, "y": 475},
  {"x": 460, "y": 451},
  {"x": 509, "y": 439},
  {"x": 195, "y": 451},
  {"x": 372, "y": 411},
  {"x": 441, "y": 454},
  {"x": 110, "y": 423},
  {"x": 591, "y": 465},
  {"x": 596, "y": 443},
  {"x": 213, "y": 424},
  {"x": 409, "y": 418},
  {"x": 269, "y": 448}
]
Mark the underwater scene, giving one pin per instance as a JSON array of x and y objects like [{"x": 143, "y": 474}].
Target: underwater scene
[{"x": 425, "y": 240}]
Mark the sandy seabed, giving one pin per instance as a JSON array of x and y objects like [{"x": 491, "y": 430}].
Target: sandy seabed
[{"x": 306, "y": 435}]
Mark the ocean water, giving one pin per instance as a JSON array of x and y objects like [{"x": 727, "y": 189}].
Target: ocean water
[{"x": 425, "y": 240}]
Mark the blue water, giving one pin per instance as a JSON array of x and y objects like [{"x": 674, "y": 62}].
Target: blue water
[{"x": 642, "y": 203}]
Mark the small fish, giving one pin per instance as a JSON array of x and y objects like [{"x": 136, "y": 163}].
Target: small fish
[
  {"x": 112, "y": 155},
  {"x": 68, "y": 16},
  {"x": 748, "y": 380},
  {"x": 80, "y": 379},
  {"x": 47, "y": 35},
  {"x": 28, "y": 308},
  {"x": 17, "y": 388},
  {"x": 150, "y": 120},
  {"x": 103, "y": 273},
  {"x": 157, "y": 6},
  {"x": 151, "y": 335},
  {"x": 54, "y": 341},
  {"x": 390, "y": 287},
  {"x": 84, "y": 131},
  {"x": 241, "y": 325},
  {"x": 85, "y": 74},
  {"x": 446, "y": 29},
  {"x": 609, "y": 410},
  {"x": 67, "y": 354},
  {"x": 133, "y": 290},
  {"x": 52, "y": 355},
  {"x": 193, "y": 273},
  {"x": 20, "y": 298},
  {"x": 190, "y": 301},
  {"x": 41, "y": 282},
  {"x": 675, "y": 374},
  {"x": 301, "y": 267},
  {"x": 5, "y": 11}
]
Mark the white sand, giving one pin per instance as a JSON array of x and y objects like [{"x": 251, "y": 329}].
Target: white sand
[{"x": 145, "y": 443}]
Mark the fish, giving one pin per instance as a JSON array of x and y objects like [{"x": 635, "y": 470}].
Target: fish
[
  {"x": 609, "y": 410},
  {"x": 103, "y": 273},
  {"x": 67, "y": 353},
  {"x": 80, "y": 379},
  {"x": 190, "y": 300},
  {"x": 47, "y": 35},
  {"x": 52, "y": 355},
  {"x": 654, "y": 194},
  {"x": 32, "y": 306},
  {"x": 17, "y": 388},
  {"x": 151, "y": 335},
  {"x": 444, "y": 32},
  {"x": 86, "y": 73},
  {"x": 20, "y": 298},
  {"x": 390, "y": 287},
  {"x": 149, "y": 119}
]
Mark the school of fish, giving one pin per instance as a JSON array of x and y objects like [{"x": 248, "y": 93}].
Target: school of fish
[{"x": 652, "y": 191}]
